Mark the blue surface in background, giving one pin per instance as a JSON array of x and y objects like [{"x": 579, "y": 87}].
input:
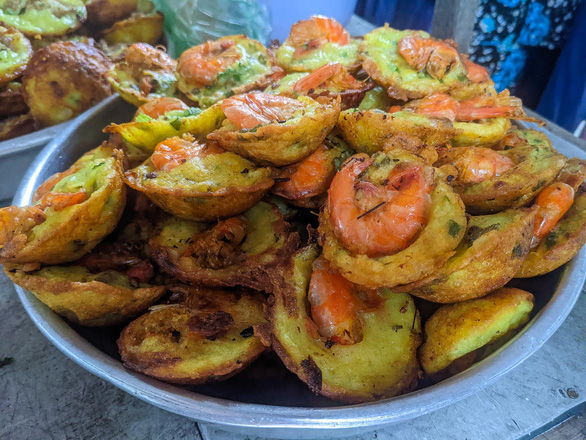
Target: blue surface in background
[{"x": 400, "y": 14}]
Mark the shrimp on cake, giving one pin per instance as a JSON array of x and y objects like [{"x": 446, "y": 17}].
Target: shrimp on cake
[
  {"x": 315, "y": 42},
  {"x": 560, "y": 225},
  {"x": 411, "y": 64},
  {"x": 143, "y": 74},
  {"x": 274, "y": 129},
  {"x": 322, "y": 325},
  {"x": 490, "y": 181},
  {"x": 70, "y": 214},
  {"x": 199, "y": 180},
  {"x": 330, "y": 80},
  {"x": 234, "y": 64},
  {"x": 305, "y": 183},
  {"x": 382, "y": 215},
  {"x": 482, "y": 120}
]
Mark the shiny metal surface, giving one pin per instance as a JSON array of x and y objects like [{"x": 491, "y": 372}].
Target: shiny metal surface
[
  {"x": 556, "y": 294},
  {"x": 17, "y": 154}
]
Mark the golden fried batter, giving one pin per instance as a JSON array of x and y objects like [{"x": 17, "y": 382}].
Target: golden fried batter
[{"x": 63, "y": 80}]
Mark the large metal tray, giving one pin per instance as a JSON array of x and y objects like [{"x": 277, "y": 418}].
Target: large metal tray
[{"x": 266, "y": 399}]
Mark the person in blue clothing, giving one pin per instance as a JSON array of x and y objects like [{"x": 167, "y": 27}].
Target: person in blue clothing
[
  {"x": 564, "y": 99},
  {"x": 519, "y": 41}
]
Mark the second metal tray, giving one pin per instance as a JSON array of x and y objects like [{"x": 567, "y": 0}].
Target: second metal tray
[{"x": 17, "y": 154}]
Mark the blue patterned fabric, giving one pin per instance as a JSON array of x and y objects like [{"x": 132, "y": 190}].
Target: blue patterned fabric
[
  {"x": 509, "y": 3},
  {"x": 536, "y": 26},
  {"x": 506, "y": 28}
]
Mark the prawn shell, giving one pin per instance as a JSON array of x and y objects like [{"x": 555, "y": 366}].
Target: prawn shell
[
  {"x": 562, "y": 244},
  {"x": 160, "y": 67},
  {"x": 380, "y": 58},
  {"x": 366, "y": 131},
  {"x": 538, "y": 164},
  {"x": 456, "y": 330},
  {"x": 161, "y": 343},
  {"x": 436, "y": 243},
  {"x": 185, "y": 201},
  {"x": 138, "y": 28},
  {"x": 315, "y": 197},
  {"x": 146, "y": 135},
  {"x": 215, "y": 92},
  {"x": 285, "y": 143},
  {"x": 488, "y": 257},
  {"x": 383, "y": 363},
  {"x": 77, "y": 229},
  {"x": 267, "y": 244},
  {"x": 482, "y": 133},
  {"x": 349, "y": 98},
  {"x": 78, "y": 295}
]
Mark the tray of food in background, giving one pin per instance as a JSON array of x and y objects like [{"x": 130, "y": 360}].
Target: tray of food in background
[
  {"x": 54, "y": 65},
  {"x": 270, "y": 240}
]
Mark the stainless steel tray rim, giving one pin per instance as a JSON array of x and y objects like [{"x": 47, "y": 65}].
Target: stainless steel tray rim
[
  {"x": 31, "y": 140},
  {"x": 296, "y": 419}
]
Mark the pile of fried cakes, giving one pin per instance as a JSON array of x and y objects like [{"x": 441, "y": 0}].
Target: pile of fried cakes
[{"x": 356, "y": 205}]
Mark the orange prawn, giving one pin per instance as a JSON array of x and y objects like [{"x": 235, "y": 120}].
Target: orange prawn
[
  {"x": 308, "y": 178},
  {"x": 44, "y": 197},
  {"x": 439, "y": 104},
  {"x": 220, "y": 245},
  {"x": 142, "y": 56},
  {"x": 329, "y": 75},
  {"x": 308, "y": 35},
  {"x": 475, "y": 72},
  {"x": 383, "y": 219},
  {"x": 48, "y": 184},
  {"x": 17, "y": 220},
  {"x": 60, "y": 201},
  {"x": 175, "y": 151},
  {"x": 436, "y": 57},
  {"x": 161, "y": 106},
  {"x": 200, "y": 65},
  {"x": 142, "y": 59},
  {"x": 553, "y": 202},
  {"x": 486, "y": 106},
  {"x": 334, "y": 305},
  {"x": 256, "y": 108},
  {"x": 480, "y": 107},
  {"x": 477, "y": 164}
]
